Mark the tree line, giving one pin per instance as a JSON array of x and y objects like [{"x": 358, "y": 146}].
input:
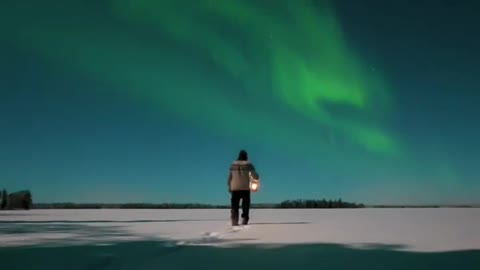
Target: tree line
[
  {"x": 284, "y": 204},
  {"x": 319, "y": 204},
  {"x": 23, "y": 200},
  {"x": 124, "y": 206}
]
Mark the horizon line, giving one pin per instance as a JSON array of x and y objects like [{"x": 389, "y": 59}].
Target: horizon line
[{"x": 269, "y": 203}]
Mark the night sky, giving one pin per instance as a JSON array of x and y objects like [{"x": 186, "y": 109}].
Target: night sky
[{"x": 150, "y": 101}]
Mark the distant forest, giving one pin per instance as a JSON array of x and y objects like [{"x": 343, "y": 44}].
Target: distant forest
[
  {"x": 285, "y": 204},
  {"x": 23, "y": 200},
  {"x": 289, "y": 204}
]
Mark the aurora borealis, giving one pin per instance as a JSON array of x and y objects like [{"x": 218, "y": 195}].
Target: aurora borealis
[{"x": 150, "y": 100}]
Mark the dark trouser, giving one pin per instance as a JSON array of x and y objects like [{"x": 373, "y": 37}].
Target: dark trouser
[{"x": 238, "y": 195}]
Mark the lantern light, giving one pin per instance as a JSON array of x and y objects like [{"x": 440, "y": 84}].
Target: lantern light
[{"x": 254, "y": 183}]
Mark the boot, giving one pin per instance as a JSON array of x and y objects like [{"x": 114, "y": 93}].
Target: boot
[{"x": 244, "y": 221}]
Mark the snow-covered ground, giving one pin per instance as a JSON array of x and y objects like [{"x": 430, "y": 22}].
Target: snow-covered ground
[
  {"x": 416, "y": 230},
  {"x": 276, "y": 239}
]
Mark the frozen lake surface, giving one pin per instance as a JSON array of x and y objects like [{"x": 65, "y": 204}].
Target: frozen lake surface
[{"x": 438, "y": 237}]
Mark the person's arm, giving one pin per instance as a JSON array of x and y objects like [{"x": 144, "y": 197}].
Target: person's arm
[
  {"x": 229, "y": 180},
  {"x": 253, "y": 172}
]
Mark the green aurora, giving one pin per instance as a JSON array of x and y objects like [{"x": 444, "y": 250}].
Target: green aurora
[{"x": 293, "y": 68}]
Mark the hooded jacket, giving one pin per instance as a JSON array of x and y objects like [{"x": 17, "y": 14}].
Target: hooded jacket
[{"x": 239, "y": 175}]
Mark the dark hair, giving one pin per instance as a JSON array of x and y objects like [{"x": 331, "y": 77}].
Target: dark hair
[{"x": 243, "y": 155}]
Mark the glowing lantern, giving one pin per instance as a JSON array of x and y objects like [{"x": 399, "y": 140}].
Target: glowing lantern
[{"x": 254, "y": 184}]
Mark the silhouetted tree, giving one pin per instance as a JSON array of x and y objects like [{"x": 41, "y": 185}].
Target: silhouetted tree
[{"x": 4, "y": 199}]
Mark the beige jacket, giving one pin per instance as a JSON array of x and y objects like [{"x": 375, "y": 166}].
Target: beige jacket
[{"x": 239, "y": 175}]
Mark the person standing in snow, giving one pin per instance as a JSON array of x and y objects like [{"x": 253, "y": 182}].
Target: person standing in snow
[{"x": 239, "y": 187}]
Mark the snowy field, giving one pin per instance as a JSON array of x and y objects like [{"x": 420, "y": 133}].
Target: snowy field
[{"x": 441, "y": 238}]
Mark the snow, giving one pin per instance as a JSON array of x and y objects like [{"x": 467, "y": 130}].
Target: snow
[{"x": 418, "y": 230}]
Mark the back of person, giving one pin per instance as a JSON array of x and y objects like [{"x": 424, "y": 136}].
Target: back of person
[{"x": 240, "y": 170}]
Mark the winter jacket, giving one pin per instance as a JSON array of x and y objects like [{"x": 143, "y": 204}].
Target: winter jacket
[{"x": 239, "y": 177}]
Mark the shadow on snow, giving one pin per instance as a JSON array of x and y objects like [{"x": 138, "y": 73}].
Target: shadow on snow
[
  {"x": 107, "y": 221},
  {"x": 165, "y": 255},
  {"x": 156, "y": 254}
]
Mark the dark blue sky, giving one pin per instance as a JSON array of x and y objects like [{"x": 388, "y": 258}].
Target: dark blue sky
[{"x": 70, "y": 131}]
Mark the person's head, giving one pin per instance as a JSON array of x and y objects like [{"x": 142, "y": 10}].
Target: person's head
[{"x": 242, "y": 155}]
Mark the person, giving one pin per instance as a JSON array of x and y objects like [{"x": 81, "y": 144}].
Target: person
[{"x": 239, "y": 187}]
